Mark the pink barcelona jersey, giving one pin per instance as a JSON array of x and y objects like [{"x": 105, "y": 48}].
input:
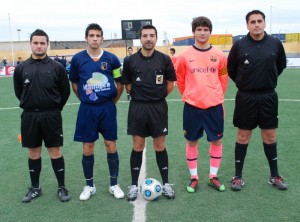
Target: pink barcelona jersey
[{"x": 202, "y": 76}]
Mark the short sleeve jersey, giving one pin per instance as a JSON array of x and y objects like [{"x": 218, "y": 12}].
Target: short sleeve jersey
[
  {"x": 148, "y": 76},
  {"x": 202, "y": 76},
  {"x": 96, "y": 79}
]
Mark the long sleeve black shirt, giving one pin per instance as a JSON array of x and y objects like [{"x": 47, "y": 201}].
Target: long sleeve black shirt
[
  {"x": 41, "y": 84},
  {"x": 256, "y": 65}
]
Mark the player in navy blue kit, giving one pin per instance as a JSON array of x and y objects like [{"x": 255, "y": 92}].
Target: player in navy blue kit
[
  {"x": 254, "y": 64},
  {"x": 97, "y": 82},
  {"x": 149, "y": 76}
]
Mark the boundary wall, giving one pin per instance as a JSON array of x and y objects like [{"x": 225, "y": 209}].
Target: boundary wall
[{"x": 290, "y": 48}]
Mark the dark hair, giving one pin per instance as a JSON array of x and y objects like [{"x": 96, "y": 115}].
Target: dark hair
[
  {"x": 129, "y": 48},
  {"x": 201, "y": 21},
  {"x": 93, "y": 26},
  {"x": 173, "y": 50},
  {"x": 148, "y": 27},
  {"x": 39, "y": 32},
  {"x": 255, "y": 12}
]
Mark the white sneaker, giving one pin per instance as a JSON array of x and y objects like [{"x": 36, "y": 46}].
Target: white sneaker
[
  {"x": 87, "y": 192},
  {"x": 116, "y": 191}
]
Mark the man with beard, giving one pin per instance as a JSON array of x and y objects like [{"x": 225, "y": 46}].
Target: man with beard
[{"x": 149, "y": 76}]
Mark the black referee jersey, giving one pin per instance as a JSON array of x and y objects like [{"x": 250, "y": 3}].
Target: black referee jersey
[
  {"x": 256, "y": 65},
  {"x": 41, "y": 84},
  {"x": 148, "y": 76}
]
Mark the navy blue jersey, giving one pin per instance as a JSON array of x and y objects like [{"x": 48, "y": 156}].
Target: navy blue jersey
[{"x": 96, "y": 79}]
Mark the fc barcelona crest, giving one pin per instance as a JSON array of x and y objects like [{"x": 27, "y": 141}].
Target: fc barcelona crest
[{"x": 213, "y": 58}]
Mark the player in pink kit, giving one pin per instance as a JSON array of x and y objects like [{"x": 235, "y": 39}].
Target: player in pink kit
[{"x": 202, "y": 80}]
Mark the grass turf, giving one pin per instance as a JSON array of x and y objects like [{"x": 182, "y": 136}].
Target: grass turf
[{"x": 257, "y": 202}]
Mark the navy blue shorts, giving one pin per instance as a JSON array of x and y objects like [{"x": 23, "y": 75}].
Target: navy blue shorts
[
  {"x": 196, "y": 120},
  {"x": 39, "y": 126},
  {"x": 93, "y": 119},
  {"x": 256, "y": 109},
  {"x": 148, "y": 119}
]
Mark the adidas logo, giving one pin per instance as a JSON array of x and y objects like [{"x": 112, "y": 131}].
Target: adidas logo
[
  {"x": 34, "y": 194},
  {"x": 135, "y": 168},
  {"x": 138, "y": 79},
  {"x": 165, "y": 168},
  {"x": 246, "y": 62},
  {"x": 26, "y": 81},
  {"x": 165, "y": 130}
]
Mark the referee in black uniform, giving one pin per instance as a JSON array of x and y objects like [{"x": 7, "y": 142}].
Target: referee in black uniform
[
  {"x": 42, "y": 86},
  {"x": 254, "y": 64},
  {"x": 149, "y": 76}
]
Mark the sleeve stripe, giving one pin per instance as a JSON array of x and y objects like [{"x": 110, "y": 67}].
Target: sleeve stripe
[{"x": 223, "y": 71}]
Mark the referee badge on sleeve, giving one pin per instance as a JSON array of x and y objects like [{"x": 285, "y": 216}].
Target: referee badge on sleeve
[{"x": 159, "y": 79}]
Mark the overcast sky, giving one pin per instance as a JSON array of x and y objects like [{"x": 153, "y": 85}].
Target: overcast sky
[{"x": 66, "y": 20}]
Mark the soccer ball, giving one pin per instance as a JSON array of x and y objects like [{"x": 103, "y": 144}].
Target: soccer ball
[{"x": 151, "y": 189}]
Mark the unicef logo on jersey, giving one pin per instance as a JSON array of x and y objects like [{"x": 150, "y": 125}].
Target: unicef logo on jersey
[
  {"x": 213, "y": 69},
  {"x": 204, "y": 70},
  {"x": 98, "y": 82}
]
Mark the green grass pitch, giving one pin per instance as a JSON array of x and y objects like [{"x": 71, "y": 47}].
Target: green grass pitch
[{"x": 258, "y": 201}]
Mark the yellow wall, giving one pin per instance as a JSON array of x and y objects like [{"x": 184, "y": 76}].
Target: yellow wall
[
  {"x": 293, "y": 47},
  {"x": 292, "y": 37}
]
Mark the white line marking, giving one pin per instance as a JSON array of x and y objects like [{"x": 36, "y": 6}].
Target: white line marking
[
  {"x": 10, "y": 108},
  {"x": 169, "y": 100},
  {"x": 140, "y": 204}
]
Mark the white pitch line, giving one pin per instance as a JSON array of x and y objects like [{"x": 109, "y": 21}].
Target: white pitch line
[
  {"x": 290, "y": 100},
  {"x": 9, "y": 108},
  {"x": 140, "y": 204},
  {"x": 169, "y": 100}
]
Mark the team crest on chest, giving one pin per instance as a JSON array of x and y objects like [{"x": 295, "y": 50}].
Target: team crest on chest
[
  {"x": 159, "y": 79},
  {"x": 213, "y": 58},
  {"x": 104, "y": 65}
]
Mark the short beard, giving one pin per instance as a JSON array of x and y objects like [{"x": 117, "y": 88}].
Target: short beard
[{"x": 148, "y": 48}]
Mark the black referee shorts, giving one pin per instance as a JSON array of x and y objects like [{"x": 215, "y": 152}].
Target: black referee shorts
[
  {"x": 254, "y": 109},
  {"x": 39, "y": 126},
  {"x": 148, "y": 118}
]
